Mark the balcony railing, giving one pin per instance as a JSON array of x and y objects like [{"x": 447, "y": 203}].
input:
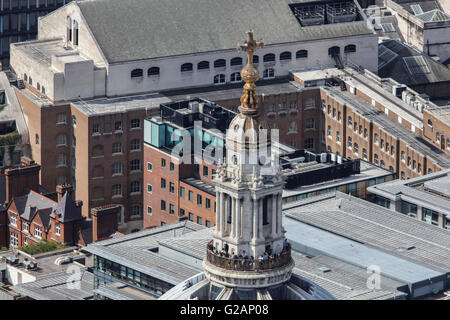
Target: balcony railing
[{"x": 241, "y": 264}]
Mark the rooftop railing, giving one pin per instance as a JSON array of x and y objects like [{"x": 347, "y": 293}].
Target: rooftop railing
[{"x": 241, "y": 264}]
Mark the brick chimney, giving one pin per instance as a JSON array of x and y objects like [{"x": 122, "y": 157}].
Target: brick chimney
[
  {"x": 61, "y": 190},
  {"x": 23, "y": 177},
  {"x": 105, "y": 221}
]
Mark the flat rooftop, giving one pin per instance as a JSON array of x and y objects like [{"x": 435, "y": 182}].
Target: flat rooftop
[
  {"x": 431, "y": 191},
  {"x": 234, "y": 91},
  {"x": 365, "y": 233},
  {"x": 367, "y": 171},
  {"x": 45, "y": 261},
  {"x": 343, "y": 280},
  {"x": 137, "y": 251},
  {"x": 199, "y": 184},
  {"x": 55, "y": 287},
  {"x": 43, "y": 51},
  {"x": 104, "y": 106}
]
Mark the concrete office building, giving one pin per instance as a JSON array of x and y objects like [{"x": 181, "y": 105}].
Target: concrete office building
[{"x": 424, "y": 198}]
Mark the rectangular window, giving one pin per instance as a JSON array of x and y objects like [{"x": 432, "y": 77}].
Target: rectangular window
[
  {"x": 208, "y": 223},
  {"x": 38, "y": 232},
  {"x": 430, "y": 216},
  {"x": 163, "y": 183},
  {"x": 199, "y": 200},
  {"x": 191, "y": 216},
  {"x": 118, "y": 126},
  {"x": 182, "y": 192},
  {"x": 163, "y": 163},
  {"x": 172, "y": 166},
  {"x": 182, "y": 212},
  {"x": 13, "y": 220},
  {"x": 199, "y": 220},
  {"x": 191, "y": 196},
  {"x": 135, "y": 123},
  {"x": 171, "y": 187},
  {"x": 149, "y": 188},
  {"x": 171, "y": 209},
  {"x": 409, "y": 209},
  {"x": 61, "y": 118},
  {"x": 57, "y": 230},
  {"x": 149, "y": 210},
  {"x": 96, "y": 128},
  {"x": 163, "y": 205},
  {"x": 208, "y": 203},
  {"x": 149, "y": 166},
  {"x": 205, "y": 171}
]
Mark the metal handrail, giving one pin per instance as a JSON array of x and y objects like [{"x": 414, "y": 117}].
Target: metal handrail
[{"x": 242, "y": 264}]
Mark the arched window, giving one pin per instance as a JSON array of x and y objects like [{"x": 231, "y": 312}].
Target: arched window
[
  {"x": 153, "y": 71},
  {"x": 236, "y": 61},
  {"x": 286, "y": 55},
  {"x": 301, "y": 54},
  {"x": 255, "y": 59},
  {"x": 136, "y": 73},
  {"x": 186, "y": 67},
  {"x": 75, "y": 32},
  {"x": 220, "y": 78},
  {"x": 221, "y": 63},
  {"x": 203, "y": 65},
  {"x": 350, "y": 48},
  {"x": 235, "y": 77},
  {"x": 334, "y": 51},
  {"x": 269, "y": 73},
  {"x": 270, "y": 57},
  {"x": 69, "y": 29}
]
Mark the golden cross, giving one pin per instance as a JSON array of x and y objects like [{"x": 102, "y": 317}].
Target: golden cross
[{"x": 250, "y": 46}]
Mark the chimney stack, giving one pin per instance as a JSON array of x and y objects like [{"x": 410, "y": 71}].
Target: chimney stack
[
  {"x": 61, "y": 190},
  {"x": 21, "y": 178},
  {"x": 105, "y": 221}
]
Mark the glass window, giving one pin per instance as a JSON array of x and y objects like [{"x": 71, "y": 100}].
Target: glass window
[
  {"x": 135, "y": 165},
  {"x": 199, "y": 200},
  {"x": 171, "y": 187},
  {"x": 135, "y": 145},
  {"x": 135, "y": 187},
  {"x": 182, "y": 192},
  {"x": 163, "y": 183},
  {"x": 117, "y": 168},
  {"x": 135, "y": 123},
  {"x": 117, "y": 190},
  {"x": 199, "y": 220},
  {"x": 171, "y": 209},
  {"x": 191, "y": 196},
  {"x": 163, "y": 205},
  {"x": 409, "y": 209},
  {"x": 191, "y": 216},
  {"x": 117, "y": 147}
]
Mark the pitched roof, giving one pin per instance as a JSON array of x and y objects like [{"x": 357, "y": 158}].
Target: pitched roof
[
  {"x": 28, "y": 205},
  {"x": 144, "y": 29},
  {"x": 399, "y": 69},
  {"x": 67, "y": 210}
]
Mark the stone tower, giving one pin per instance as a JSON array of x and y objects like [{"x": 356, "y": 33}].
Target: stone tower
[{"x": 249, "y": 197}]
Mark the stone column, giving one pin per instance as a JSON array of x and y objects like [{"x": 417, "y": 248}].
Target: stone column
[
  {"x": 255, "y": 219},
  {"x": 261, "y": 218},
  {"x": 218, "y": 216},
  {"x": 238, "y": 219},
  {"x": 233, "y": 217},
  {"x": 274, "y": 208},
  {"x": 279, "y": 213},
  {"x": 225, "y": 214}
]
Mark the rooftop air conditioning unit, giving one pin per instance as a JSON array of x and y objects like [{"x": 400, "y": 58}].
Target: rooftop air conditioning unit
[
  {"x": 333, "y": 157},
  {"x": 193, "y": 106}
]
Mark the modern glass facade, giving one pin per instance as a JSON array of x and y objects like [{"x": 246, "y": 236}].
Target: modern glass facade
[{"x": 107, "y": 271}]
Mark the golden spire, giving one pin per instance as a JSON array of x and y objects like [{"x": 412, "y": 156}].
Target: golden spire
[{"x": 249, "y": 100}]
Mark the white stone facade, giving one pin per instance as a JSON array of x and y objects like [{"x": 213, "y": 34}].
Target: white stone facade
[{"x": 82, "y": 71}]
